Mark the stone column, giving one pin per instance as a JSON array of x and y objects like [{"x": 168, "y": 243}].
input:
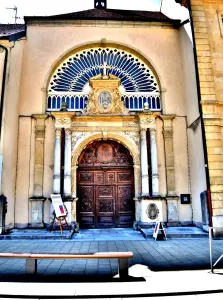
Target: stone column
[
  {"x": 67, "y": 163},
  {"x": 57, "y": 162},
  {"x": 37, "y": 199},
  {"x": 154, "y": 162},
  {"x": 144, "y": 164},
  {"x": 169, "y": 155},
  {"x": 172, "y": 199}
]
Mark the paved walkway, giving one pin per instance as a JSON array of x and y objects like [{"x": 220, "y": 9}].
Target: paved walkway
[{"x": 171, "y": 267}]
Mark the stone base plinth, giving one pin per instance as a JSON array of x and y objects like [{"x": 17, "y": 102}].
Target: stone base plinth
[
  {"x": 172, "y": 211},
  {"x": 217, "y": 226},
  {"x": 152, "y": 210},
  {"x": 37, "y": 210}
]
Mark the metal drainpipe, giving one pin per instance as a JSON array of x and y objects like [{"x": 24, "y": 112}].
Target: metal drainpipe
[
  {"x": 3, "y": 87},
  {"x": 202, "y": 121}
]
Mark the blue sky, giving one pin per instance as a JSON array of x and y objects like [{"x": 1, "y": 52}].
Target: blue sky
[{"x": 50, "y": 7}]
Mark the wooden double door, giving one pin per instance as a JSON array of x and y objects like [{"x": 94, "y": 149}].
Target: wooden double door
[{"x": 105, "y": 191}]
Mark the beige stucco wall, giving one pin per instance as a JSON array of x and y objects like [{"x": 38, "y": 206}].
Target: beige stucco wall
[
  {"x": 10, "y": 126},
  {"x": 197, "y": 177},
  {"x": 181, "y": 166}
]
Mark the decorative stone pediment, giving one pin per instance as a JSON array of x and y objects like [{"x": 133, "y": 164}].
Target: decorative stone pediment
[{"x": 105, "y": 97}]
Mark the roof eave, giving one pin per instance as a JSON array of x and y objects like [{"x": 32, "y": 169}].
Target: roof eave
[
  {"x": 29, "y": 20},
  {"x": 14, "y": 36}
]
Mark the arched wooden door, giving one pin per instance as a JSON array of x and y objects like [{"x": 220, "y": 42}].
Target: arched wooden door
[{"x": 105, "y": 185}]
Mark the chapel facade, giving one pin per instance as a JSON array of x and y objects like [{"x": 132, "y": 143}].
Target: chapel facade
[{"x": 101, "y": 107}]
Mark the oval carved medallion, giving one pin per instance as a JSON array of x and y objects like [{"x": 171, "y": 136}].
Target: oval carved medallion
[
  {"x": 152, "y": 211},
  {"x": 105, "y": 153}
]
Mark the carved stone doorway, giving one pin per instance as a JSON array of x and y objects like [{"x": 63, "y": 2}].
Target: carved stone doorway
[{"x": 105, "y": 186}]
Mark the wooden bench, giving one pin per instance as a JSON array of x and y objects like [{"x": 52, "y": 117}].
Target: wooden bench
[{"x": 31, "y": 259}]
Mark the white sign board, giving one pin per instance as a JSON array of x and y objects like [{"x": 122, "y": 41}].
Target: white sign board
[
  {"x": 159, "y": 229},
  {"x": 58, "y": 205}
]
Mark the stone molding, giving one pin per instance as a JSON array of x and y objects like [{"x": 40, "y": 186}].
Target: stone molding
[{"x": 100, "y": 23}]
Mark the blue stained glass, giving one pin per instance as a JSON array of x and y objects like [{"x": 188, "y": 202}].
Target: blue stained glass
[
  {"x": 153, "y": 102},
  {"x": 131, "y": 103},
  {"x": 127, "y": 102},
  {"x": 72, "y": 103},
  {"x": 136, "y": 103},
  {"x": 49, "y": 102},
  {"x": 140, "y": 103},
  {"x": 58, "y": 102},
  {"x": 158, "y": 102},
  {"x": 74, "y": 73},
  {"x": 54, "y": 103},
  {"x": 68, "y": 102},
  {"x": 77, "y": 103},
  {"x": 81, "y": 102}
]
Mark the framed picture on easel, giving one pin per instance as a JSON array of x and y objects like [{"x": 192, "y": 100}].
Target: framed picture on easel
[{"x": 60, "y": 211}]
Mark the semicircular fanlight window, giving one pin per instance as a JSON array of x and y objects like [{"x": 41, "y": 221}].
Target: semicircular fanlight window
[{"x": 138, "y": 83}]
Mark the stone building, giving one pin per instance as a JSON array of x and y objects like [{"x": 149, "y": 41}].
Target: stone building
[
  {"x": 101, "y": 106},
  {"x": 207, "y": 20}
]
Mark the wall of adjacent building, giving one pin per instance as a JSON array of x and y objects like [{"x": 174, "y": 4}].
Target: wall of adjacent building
[
  {"x": 207, "y": 20},
  {"x": 197, "y": 177}
]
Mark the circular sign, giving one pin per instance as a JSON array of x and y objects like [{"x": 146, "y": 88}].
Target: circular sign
[
  {"x": 105, "y": 153},
  {"x": 105, "y": 100},
  {"x": 152, "y": 211}
]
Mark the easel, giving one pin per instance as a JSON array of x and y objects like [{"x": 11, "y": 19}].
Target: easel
[
  {"x": 60, "y": 219},
  {"x": 60, "y": 212}
]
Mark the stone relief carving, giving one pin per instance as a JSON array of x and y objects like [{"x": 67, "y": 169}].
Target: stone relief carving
[
  {"x": 40, "y": 134},
  {"x": 133, "y": 136},
  {"x": 63, "y": 121},
  {"x": 78, "y": 137},
  {"x": 105, "y": 101},
  {"x": 168, "y": 133},
  {"x": 147, "y": 121}
]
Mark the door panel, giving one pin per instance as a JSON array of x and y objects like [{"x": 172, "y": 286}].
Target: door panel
[
  {"x": 105, "y": 185},
  {"x": 105, "y": 208},
  {"x": 87, "y": 206},
  {"x": 125, "y": 205}
]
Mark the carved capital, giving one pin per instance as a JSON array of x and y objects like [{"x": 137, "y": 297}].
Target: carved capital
[
  {"x": 58, "y": 132},
  {"x": 168, "y": 133},
  {"x": 68, "y": 132},
  {"x": 63, "y": 121},
  {"x": 143, "y": 132},
  {"x": 40, "y": 132},
  {"x": 152, "y": 131}
]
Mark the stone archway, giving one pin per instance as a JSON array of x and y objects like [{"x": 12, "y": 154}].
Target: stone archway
[{"x": 105, "y": 180}]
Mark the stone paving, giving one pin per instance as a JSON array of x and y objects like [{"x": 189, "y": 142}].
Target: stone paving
[
  {"x": 101, "y": 234},
  {"x": 172, "y": 267},
  {"x": 161, "y": 255}
]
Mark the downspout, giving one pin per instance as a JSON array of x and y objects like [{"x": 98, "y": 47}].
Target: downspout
[
  {"x": 3, "y": 87},
  {"x": 202, "y": 121}
]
